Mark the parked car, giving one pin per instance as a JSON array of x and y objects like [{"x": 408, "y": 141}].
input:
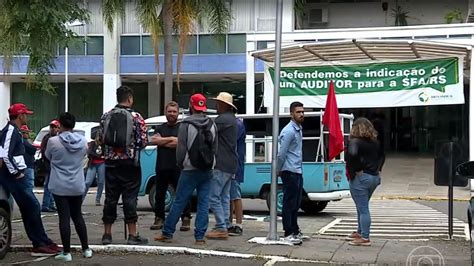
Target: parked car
[
  {"x": 88, "y": 129},
  {"x": 466, "y": 170},
  {"x": 6, "y": 208}
]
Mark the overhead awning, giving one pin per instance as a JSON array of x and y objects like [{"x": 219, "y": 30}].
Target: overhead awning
[{"x": 366, "y": 50}]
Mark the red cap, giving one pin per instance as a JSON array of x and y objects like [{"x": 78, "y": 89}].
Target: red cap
[
  {"x": 54, "y": 123},
  {"x": 19, "y": 109},
  {"x": 25, "y": 128},
  {"x": 198, "y": 102}
]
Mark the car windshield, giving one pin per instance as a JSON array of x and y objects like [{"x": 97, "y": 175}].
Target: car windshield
[{"x": 43, "y": 133}]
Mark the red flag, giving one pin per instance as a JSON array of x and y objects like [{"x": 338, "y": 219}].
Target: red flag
[{"x": 332, "y": 122}]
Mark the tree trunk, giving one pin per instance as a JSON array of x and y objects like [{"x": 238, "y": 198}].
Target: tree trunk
[{"x": 168, "y": 50}]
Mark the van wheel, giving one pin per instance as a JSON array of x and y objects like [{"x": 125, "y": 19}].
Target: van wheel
[
  {"x": 5, "y": 232},
  {"x": 313, "y": 207},
  {"x": 169, "y": 197},
  {"x": 279, "y": 197}
]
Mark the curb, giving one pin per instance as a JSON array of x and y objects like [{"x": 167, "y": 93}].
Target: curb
[
  {"x": 379, "y": 197},
  {"x": 41, "y": 191},
  {"x": 427, "y": 198},
  {"x": 160, "y": 250}
]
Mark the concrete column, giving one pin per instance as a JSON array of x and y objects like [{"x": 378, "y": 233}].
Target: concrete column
[
  {"x": 111, "y": 65},
  {"x": 5, "y": 101},
  {"x": 288, "y": 20},
  {"x": 471, "y": 113},
  {"x": 250, "y": 80},
  {"x": 154, "y": 99}
]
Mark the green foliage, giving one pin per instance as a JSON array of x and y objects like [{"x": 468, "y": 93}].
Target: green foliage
[
  {"x": 454, "y": 15},
  {"x": 400, "y": 16},
  {"x": 36, "y": 28}
]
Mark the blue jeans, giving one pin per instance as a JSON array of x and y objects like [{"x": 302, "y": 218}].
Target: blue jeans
[
  {"x": 30, "y": 176},
  {"x": 48, "y": 200},
  {"x": 292, "y": 193},
  {"x": 362, "y": 187},
  {"x": 188, "y": 182},
  {"x": 219, "y": 198},
  {"x": 29, "y": 207},
  {"x": 92, "y": 171}
]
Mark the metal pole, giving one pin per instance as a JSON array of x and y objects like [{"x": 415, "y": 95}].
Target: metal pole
[
  {"x": 272, "y": 234},
  {"x": 450, "y": 192},
  {"x": 66, "y": 81}
]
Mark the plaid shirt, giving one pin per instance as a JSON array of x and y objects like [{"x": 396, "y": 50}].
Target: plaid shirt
[{"x": 140, "y": 136}]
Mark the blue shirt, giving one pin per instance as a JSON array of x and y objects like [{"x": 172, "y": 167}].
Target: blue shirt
[{"x": 290, "y": 149}]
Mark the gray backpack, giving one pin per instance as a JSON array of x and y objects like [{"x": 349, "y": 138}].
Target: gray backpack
[{"x": 118, "y": 128}]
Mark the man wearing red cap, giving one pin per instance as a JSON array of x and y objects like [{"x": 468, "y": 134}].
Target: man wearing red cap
[
  {"x": 12, "y": 179},
  {"x": 195, "y": 175},
  {"x": 48, "y": 200}
]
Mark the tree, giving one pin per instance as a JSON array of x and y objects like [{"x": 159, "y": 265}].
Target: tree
[
  {"x": 162, "y": 18},
  {"x": 36, "y": 28}
]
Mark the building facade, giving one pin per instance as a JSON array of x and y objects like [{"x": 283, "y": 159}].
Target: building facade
[{"x": 99, "y": 61}]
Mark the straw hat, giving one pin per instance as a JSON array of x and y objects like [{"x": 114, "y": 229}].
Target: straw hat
[{"x": 226, "y": 98}]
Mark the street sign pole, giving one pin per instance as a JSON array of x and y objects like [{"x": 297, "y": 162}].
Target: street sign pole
[
  {"x": 272, "y": 234},
  {"x": 450, "y": 193}
]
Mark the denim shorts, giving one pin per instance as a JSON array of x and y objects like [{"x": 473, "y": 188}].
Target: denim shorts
[{"x": 235, "y": 190}]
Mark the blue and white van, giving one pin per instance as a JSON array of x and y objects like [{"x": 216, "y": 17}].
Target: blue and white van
[{"x": 323, "y": 181}]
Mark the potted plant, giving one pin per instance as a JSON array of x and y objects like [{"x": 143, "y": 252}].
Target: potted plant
[{"x": 454, "y": 15}]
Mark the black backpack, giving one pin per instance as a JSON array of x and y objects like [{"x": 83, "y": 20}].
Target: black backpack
[
  {"x": 202, "y": 152},
  {"x": 118, "y": 128}
]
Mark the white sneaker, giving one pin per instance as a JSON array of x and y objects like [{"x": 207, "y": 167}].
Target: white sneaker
[
  {"x": 63, "y": 256},
  {"x": 302, "y": 237},
  {"x": 293, "y": 240},
  {"x": 87, "y": 253}
]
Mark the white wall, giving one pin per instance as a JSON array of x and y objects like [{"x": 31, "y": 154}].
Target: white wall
[
  {"x": 111, "y": 66},
  {"x": 5, "y": 96}
]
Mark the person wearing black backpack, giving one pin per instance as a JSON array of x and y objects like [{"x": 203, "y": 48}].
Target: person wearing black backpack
[
  {"x": 124, "y": 134},
  {"x": 195, "y": 156}
]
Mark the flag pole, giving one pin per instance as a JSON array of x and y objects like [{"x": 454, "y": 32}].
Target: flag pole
[{"x": 272, "y": 234}]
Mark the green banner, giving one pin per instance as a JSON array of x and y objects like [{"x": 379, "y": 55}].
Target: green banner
[{"x": 370, "y": 77}]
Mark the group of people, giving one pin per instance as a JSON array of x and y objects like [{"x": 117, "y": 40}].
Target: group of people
[
  {"x": 364, "y": 162},
  {"x": 197, "y": 153},
  {"x": 65, "y": 152},
  {"x": 203, "y": 155}
]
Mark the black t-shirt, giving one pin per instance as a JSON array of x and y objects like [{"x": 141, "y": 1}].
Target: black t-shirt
[{"x": 166, "y": 159}]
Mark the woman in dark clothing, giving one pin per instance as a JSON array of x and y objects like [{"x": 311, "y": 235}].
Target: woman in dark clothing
[{"x": 364, "y": 160}]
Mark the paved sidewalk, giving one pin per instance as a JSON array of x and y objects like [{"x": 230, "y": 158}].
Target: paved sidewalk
[
  {"x": 317, "y": 249},
  {"x": 410, "y": 176}
]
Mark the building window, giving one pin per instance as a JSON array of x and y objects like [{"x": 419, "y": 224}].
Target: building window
[
  {"x": 262, "y": 45},
  {"x": 147, "y": 48},
  {"x": 210, "y": 44},
  {"x": 191, "y": 45},
  {"x": 95, "y": 45},
  {"x": 76, "y": 47},
  {"x": 237, "y": 43},
  {"x": 130, "y": 45},
  {"x": 353, "y": 1}
]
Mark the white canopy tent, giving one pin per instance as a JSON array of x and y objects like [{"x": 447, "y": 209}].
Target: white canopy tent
[{"x": 365, "y": 50}]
